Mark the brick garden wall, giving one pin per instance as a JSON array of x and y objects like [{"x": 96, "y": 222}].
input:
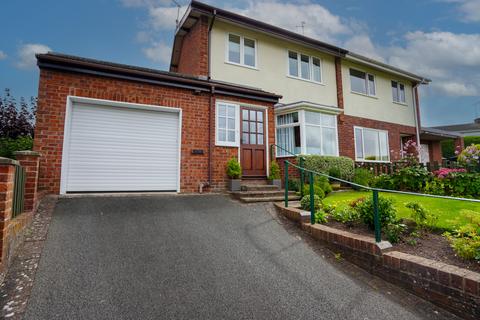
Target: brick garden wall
[{"x": 55, "y": 86}]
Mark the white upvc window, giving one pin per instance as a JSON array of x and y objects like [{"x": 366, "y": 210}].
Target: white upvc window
[
  {"x": 307, "y": 132},
  {"x": 241, "y": 50},
  {"x": 398, "y": 92},
  {"x": 362, "y": 82},
  {"x": 371, "y": 145},
  {"x": 305, "y": 67},
  {"x": 227, "y": 117}
]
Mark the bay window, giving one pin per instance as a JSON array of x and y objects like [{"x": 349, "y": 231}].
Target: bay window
[
  {"x": 361, "y": 82},
  {"x": 371, "y": 145},
  {"x": 307, "y": 132}
]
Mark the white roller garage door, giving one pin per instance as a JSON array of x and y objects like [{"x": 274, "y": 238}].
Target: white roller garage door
[{"x": 114, "y": 146}]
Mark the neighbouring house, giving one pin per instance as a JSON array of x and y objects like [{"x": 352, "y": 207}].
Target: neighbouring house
[
  {"x": 236, "y": 86},
  {"x": 465, "y": 129}
]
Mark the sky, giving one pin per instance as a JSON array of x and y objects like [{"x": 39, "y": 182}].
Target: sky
[{"x": 438, "y": 39}]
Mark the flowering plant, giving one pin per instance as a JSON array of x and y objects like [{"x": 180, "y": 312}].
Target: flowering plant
[
  {"x": 410, "y": 152},
  {"x": 445, "y": 172},
  {"x": 470, "y": 155}
]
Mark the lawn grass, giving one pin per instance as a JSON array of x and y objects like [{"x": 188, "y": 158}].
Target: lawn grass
[{"x": 451, "y": 213}]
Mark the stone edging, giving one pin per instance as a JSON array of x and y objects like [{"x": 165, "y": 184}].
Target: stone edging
[{"x": 450, "y": 287}]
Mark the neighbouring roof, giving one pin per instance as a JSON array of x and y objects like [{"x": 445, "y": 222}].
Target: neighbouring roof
[
  {"x": 437, "y": 134},
  {"x": 473, "y": 126},
  {"x": 197, "y": 9},
  {"x": 69, "y": 63}
]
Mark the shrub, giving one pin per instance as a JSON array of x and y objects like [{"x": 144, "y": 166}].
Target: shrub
[
  {"x": 321, "y": 217},
  {"x": 384, "y": 181},
  {"x": 346, "y": 215},
  {"x": 274, "y": 171},
  {"x": 418, "y": 213},
  {"x": 293, "y": 184},
  {"x": 323, "y": 183},
  {"x": 386, "y": 211},
  {"x": 363, "y": 177},
  {"x": 323, "y": 164},
  {"x": 316, "y": 190},
  {"x": 335, "y": 173},
  {"x": 411, "y": 178},
  {"x": 445, "y": 172},
  {"x": 9, "y": 145},
  {"x": 470, "y": 156},
  {"x": 305, "y": 202},
  {"x": 234, "y": 170},
  {"x": 465, "y": 241},
  {"x": 394, "y": 231}
]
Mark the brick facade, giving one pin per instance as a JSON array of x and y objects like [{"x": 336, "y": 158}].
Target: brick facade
[
  {"x": 194, "y": 53},
  {"x": 346, "y": 134},
  {"x": 55, "y": 86}
]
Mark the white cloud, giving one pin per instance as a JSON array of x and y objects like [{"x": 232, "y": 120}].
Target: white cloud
[
  {"x": 26, "y": 54},
  {"x": 163, "y": 18},
  {"x": 451, "y": 60},
  {"x": 320, "y": 23},
  {"x": 3, "y": 55},
  {"x": 363, "y": 45},
  {"x": 470, "y": 9},
  {"x": 158, "y": 52}
]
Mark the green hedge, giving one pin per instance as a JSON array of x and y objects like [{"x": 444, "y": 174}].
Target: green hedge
[
  {"x": 8, "y": 145},
  {"x": 324, "y": 164}
]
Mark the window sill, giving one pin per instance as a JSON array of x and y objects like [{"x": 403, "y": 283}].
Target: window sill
[
  {"x": 306, "y": 80},
  {"x": 372, "y": 161},
  {"x": 364, "y": 95},
  {"x": 287, "y": 156},
  {"x": 401, "y": 103},
  {"x": 242, "y": 65},
  {"x": 228, "y": 145}
]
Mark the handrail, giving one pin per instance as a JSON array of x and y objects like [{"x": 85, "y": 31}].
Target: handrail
[{"x": 375, "y": 192}]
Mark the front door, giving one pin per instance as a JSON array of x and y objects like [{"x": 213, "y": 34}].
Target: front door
[{"x": 253, "y": 147}]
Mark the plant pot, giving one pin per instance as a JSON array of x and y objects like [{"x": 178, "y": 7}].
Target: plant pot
[
  {"x": 234, "y": 184},
  {"x": 275, "y": 182}
]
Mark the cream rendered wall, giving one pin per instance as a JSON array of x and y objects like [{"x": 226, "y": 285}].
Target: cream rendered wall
[
  {"x": 381, "y": 107},
  {"x": 272, "y": 67}
]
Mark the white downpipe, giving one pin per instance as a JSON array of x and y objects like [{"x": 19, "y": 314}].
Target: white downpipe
[{"x": 415, "y": 112}]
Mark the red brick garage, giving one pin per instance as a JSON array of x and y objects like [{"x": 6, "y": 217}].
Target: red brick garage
[{"x": 76, "y": 84}]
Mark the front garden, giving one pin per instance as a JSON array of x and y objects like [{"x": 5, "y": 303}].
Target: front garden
[{"x": 445, "y": 230}]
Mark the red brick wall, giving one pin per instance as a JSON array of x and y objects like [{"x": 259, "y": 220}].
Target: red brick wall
[
  {"x": 346, "y": 134},
  {"x": 55, "y": 86},
  {"x": 435, "y": 151},
  {"x": 194, "y": 53}
]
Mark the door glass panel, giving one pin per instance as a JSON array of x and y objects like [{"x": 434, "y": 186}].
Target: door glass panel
[
  {"x": 253, "y": 115},
  {"x": 260, "y": 127},
  {"x": 245, "y": 126},
  {"x": 260, "y": 139},
  {"x": 245, "y": 114},
  {"x": 252, "y": 127},
  {"x": 259, "y": 116},
  {"x": 253, "y": 138},
  {"x": 245, "y": 138}
]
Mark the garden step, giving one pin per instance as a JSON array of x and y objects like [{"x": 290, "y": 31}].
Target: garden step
[
  {"x": 268, "y": 199},
  {"x": 256, "y": 187},
  {"x": 258, "y": 194}
]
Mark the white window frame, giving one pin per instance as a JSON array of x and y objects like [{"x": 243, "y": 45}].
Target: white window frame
[
  {"x": 367, "y": 86},
  {"x": 398, "y": 92},
  {"x": 242, "y": 51},
  {"x": 299, "y": 66},
  {"x": 236, "y": 143},
  {"x": 363, "y": 144},
  {"x": 302, "y": 124}
]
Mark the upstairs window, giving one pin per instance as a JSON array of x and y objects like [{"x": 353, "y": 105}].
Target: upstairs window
[
  {"x": 304, "y": 67},
  {"x": 361, "y": 82},
  {"x": 242, "y": 51},
  {"x": 398, "y": 92}
]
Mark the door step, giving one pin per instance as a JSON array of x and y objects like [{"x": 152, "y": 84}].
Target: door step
[{"x": 259, "y": 194}]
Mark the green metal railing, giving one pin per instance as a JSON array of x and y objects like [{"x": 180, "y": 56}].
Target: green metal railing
[
  {"x": 18, "y": 191},
  {"x": 375, "y": 191}
]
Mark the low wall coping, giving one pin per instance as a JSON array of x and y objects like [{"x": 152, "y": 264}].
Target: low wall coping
[
  {"x": 8, "y": 161},
  {"x": 27, "y": 153}
]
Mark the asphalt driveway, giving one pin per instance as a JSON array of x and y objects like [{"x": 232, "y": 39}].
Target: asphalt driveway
[{"x": 191, "y": 257}]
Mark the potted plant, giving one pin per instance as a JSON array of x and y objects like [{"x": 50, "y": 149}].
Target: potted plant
[
  {"x": 234, "y": 172},
  {"x": 274, "y": 176}
]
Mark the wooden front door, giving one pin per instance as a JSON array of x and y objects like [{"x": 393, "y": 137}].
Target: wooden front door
[{"x": 253, "y": 147}]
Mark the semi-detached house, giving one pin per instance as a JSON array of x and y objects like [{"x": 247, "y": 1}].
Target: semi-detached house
[{"x": 236, "y": 86}]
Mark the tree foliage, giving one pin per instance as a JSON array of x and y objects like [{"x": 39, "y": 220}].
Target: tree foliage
[{"x": 17, "y": 118}]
